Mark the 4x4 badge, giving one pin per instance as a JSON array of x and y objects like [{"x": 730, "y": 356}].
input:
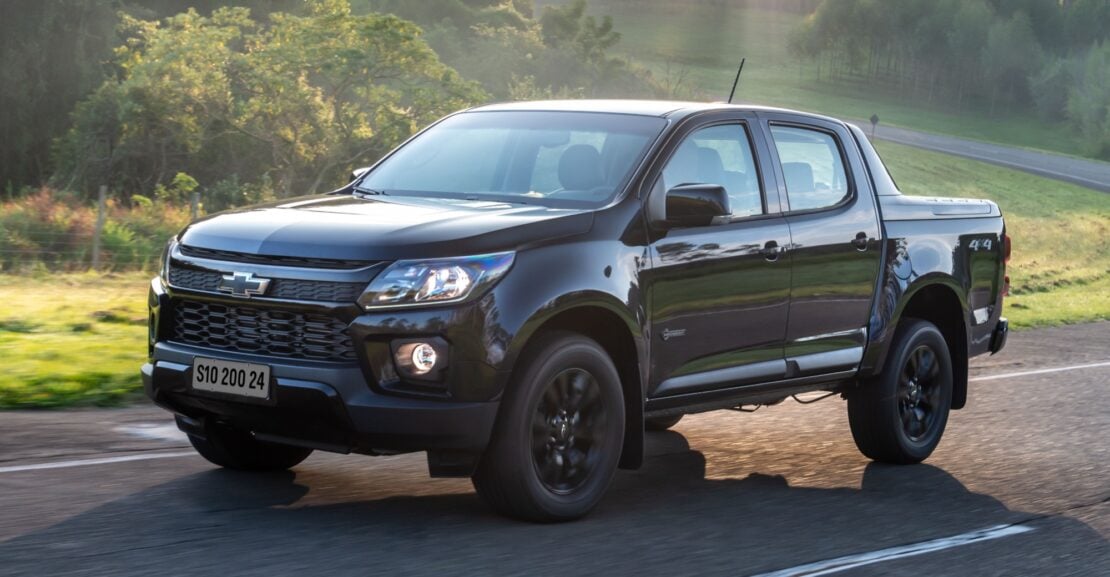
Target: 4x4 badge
[{"x": 243, "y": 284}]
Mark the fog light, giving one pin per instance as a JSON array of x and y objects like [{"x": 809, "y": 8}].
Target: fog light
[{"x": 423, "y": 358}]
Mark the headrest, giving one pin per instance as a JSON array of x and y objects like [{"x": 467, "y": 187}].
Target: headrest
[
  {"x": 799, "y": 176},
  {"x": 580, "y": 168}
]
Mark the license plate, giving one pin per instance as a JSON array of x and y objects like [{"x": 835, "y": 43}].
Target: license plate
[{"x": 231, "y": 378}]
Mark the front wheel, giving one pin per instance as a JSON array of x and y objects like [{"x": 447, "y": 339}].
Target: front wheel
[
  {"x": 557, "y": 442},
  {"x": 237, "y": 449},
  {"x": 900, "y": 416}
]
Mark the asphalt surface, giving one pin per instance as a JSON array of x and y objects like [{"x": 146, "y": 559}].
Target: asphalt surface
[
  {"x": 1084, "y": 172},
  {"x": 726, "y": 494}
]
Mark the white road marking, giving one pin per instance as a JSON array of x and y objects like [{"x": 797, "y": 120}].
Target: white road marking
[
  {"x": 100, "y": 461},
  {"x": 1040, "y": 371},
  {"x": 853, "y": 561}
]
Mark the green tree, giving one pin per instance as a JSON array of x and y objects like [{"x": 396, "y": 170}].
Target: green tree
[
  {"x": 500, "y": 43},
  {"x": 1011, "y": 52},
  {"x": 55, "y": 53},
  {"x": 1088, "y": 103},
  {"x": 298, "y": 100}
]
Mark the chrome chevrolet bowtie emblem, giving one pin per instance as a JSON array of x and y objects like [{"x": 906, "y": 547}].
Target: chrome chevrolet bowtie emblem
[{"x": 243, "y": 284}]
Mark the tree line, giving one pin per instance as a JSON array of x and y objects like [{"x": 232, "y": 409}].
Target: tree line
[
  {"x": 268, "y": 99},
  {"x": 1049, "y": 57}
]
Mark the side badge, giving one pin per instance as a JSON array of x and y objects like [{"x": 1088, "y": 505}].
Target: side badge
[{"x": 669, "y": 334}]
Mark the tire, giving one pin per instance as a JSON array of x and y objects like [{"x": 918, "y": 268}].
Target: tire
[
  {"x": 900, "y": 416},
  {"x": 558, "y": 438},
  {"x": 661, "y": 423},
  {"x": 237, "y": 449}
]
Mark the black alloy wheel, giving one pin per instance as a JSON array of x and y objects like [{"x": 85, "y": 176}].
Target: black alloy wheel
[
  {"x": 919, "y": 394},
  {"x": 900, "y": 416},
  {"x": 559, "y": 434},
  {"x": 567, "y": 428}
]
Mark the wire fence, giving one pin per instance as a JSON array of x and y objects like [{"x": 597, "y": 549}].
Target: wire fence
[{"x": 51, "y": 234}]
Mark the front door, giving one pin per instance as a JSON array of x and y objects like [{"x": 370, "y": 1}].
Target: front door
[{"x": 719, "y": 294}]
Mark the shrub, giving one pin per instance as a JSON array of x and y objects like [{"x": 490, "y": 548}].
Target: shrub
[{"x": 54, "y": 231}]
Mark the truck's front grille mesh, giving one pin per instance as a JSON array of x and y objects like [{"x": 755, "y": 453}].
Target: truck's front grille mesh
[
  {"x": 262, "y": 331},
  {"x": 280, "y": 288}
]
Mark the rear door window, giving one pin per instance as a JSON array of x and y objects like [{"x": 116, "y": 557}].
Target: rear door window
[{"x": 812, "y": 166}]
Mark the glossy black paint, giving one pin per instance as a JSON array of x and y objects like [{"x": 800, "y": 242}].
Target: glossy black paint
[
  {"x": 696, "y": 317},
  {"x": 693, "y": 205}
]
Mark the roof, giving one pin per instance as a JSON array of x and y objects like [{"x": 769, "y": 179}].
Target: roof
[{"x": 660, "y": 108}]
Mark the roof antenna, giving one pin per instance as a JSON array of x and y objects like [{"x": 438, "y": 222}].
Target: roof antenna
[{"x": 737, "y": 81}]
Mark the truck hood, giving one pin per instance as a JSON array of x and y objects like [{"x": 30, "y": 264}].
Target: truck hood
[{"x": 383, "y": 228}]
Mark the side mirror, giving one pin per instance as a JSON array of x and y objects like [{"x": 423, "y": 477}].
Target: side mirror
[
  {"x": 358, "y": 172},
  {"x": 697, "y": 205}
]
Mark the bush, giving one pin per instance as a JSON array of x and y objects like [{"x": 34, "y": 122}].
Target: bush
[
  {"x": 300, "y": 99},
  {"x": 54, "y": 231}
]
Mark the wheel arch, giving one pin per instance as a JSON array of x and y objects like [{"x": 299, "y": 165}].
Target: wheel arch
[
  {"x": 615, "y": 328},
  {"x": 939, "y": 303}
]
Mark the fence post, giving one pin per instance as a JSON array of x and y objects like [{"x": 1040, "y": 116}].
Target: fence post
[
  {"x": 195, "y": 204},
  {"x": 100, "y": 216}
]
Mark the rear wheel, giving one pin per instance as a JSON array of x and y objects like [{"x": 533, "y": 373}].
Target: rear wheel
[
  {"x": 900, "y": 416},
  {"x": 237, "y": 449},
  {"x": 557, "y": 442},
  {"x": 661, "y": 423}
]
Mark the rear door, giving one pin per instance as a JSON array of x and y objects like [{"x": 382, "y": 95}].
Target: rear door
[
  {"x": 835, "y": 242},
  {"x": 719, "y": 295}
]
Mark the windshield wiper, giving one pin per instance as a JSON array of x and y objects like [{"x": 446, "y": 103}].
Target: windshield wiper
[{"x": 368, "y": 192}]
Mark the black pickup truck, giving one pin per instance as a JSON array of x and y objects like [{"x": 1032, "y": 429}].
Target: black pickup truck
[{"x": 522, "y": 289}]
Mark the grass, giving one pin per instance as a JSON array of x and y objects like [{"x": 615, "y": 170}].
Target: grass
[
  {"x": 79, "y": 339},
  {"x": 75, "y": 339},
  {"x": 700, "y": 44}
]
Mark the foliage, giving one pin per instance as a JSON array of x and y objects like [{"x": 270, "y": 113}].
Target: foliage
[
  {"x": 1088, "y": 100},
  {"x": 54, "y": 231},
  {"x": 514, "y": 54},
  {"x": 298, "y": 100},
  {"x": 55, "y": 54},
  {"x": 1020, "y": 54}
]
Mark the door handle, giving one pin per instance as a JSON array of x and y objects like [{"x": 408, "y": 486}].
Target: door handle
[
  {"x": 771, "y": 251},
  {"x": 861, "y": 241}
]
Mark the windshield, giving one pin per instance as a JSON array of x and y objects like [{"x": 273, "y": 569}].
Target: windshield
[{"x": 566, "y": 159}]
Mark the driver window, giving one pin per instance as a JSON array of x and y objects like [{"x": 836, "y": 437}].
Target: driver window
[
  {"x": 812, "y": 167},
  {"x": 718, "y": 155}
]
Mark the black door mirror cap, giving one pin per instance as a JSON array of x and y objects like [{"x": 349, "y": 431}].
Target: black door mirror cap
[{"x": 697, "y": 204}]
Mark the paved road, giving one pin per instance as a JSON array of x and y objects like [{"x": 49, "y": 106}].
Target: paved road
[
  {"x": 1090, "y": 173},
  {"x": 727, "y": 494}
]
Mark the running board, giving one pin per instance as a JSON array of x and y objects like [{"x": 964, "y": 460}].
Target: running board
[{"x": 757, "y": 394}]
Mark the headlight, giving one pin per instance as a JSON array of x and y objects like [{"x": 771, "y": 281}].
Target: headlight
[{"x": 435, "y": 281}]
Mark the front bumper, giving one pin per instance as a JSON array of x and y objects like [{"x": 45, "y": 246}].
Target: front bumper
[{"x": 321, "y": 406}]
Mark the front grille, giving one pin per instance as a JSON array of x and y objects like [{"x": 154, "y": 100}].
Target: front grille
[
  {"x": 269, "y": 332},
  {"x": 296, "y": 261},
  {"x": 280, "y": 288}
]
